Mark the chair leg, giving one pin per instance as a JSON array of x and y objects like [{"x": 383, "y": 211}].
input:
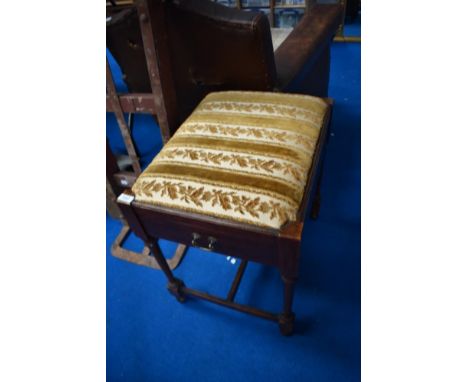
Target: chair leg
[
  {"x": 175, "y": 285},
  {"x": 287, "y": 317},
  {"x": 289, "y": 251}
]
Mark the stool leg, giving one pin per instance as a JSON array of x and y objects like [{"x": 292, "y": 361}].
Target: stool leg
[
  {"x": 175, "y": 285},
  {"x": 289, "y": 250},
  {"x": 286, "y": 318}
]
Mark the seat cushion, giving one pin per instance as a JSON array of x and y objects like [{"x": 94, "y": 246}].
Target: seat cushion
[{"x": 241, "y": 156}]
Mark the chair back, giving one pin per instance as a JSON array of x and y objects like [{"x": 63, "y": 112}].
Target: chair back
[{"x": 201, "y": 47}]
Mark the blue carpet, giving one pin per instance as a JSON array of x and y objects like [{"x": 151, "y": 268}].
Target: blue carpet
[{"x": 151, "y": 337}]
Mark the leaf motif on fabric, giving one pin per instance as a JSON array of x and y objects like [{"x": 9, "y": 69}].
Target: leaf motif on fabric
[
  {"x": 215, "y": 158},
  {"x": 207, "y": 196},
  {"x": 227, "y": 200},
  {"x": 241, "y": 161},
  {"x": 251, "y": 206},
  {"x": 264, "y": 207},
  {"x": 147, "y": 188},
  {"x": 212, "y": 129}
]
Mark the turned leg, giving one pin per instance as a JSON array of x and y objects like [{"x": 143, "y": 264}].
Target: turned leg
[
  {"x": 286, "y": 318},
  {"x": 175, "y": 285},
  {"x": 288, "y": 263}
]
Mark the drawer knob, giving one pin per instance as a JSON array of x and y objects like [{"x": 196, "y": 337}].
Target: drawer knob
[
  {"x": 211, "y": 242},
  {"x": 195, "y": 237}
]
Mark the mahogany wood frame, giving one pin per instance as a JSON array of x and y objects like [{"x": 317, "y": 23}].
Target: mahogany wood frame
[{"x": 278, "y": 248}]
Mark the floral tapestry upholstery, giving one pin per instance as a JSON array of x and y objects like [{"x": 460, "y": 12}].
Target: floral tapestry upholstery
[{"x": 242, "y": 156}]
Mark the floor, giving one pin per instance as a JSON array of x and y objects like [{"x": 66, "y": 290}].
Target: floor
[{"x": 152, "y": 337}]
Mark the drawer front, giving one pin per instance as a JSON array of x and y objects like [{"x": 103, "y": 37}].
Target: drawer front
[{"x": 235, "y": 241}]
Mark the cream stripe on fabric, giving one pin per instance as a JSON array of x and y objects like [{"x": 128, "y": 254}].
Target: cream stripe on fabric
[
  {"x": 225, "y": 177},
  {"x": 261, "y": 109},
  {"x": 234, "y": 145},
  {"x": 297, "y": 100},
  {"x": 249, "y": 133},
  {"x": 280, "y": 169},
  {"x": 255, "y": 120},
  {"x": 232, "y": 204}
]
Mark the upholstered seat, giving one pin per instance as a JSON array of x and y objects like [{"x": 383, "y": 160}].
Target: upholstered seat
[{"x": 241, "y": 156}]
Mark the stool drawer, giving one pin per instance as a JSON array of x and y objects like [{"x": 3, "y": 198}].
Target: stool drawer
[{"x": 235, "y": 240}]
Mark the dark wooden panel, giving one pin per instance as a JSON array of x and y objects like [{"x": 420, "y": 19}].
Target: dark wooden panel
[
  {"x": 238, "y": 241},
  {"x": 304, "y": 46},
  {"x": 134, "y": 103}
]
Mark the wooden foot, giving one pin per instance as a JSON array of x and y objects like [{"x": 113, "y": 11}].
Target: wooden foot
[
  {"x": 286, "y": 324},
  {"x": 175, "y": 288},
  {"x": 286, "y": 319}
]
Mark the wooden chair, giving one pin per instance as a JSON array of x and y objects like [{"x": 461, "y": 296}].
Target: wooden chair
[
  {"x": 207, "y": 47},
  {"x": 185, "y": 73}
]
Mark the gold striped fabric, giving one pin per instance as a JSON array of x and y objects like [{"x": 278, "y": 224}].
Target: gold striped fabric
[{"x": 242, "y": 156}]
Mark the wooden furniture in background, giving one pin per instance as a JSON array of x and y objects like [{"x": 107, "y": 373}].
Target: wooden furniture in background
[
  {"x": 222, "y": 58},
  {"x": 114, "y": 187},
  {"x": 351, "y": 9},
  {"x": 280, "y": 13}
]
